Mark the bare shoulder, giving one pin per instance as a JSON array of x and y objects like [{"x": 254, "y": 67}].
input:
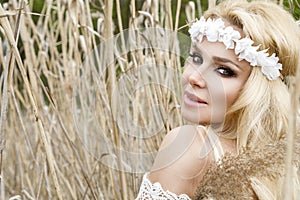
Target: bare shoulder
[
  {"x": 182, "y": 160},
  {"x": 178, "y": 144},
  {"x": 183, "y": 146}
]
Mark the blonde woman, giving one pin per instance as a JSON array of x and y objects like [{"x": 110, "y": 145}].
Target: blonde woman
[{"x": 235, "y": 92}]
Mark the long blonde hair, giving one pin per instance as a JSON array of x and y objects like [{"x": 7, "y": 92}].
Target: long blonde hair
[{"x": 260, "y": 114}]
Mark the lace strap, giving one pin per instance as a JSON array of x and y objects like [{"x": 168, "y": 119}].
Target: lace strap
[{"x": 149, "y": 191}]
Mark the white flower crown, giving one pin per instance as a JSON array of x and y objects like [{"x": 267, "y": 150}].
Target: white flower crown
[{"x": 215, "y": 30}]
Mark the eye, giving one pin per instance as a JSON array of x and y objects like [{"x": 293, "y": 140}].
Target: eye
[
  {"x": 197, "y": 59},
  {"x": 225, "y": 71}
]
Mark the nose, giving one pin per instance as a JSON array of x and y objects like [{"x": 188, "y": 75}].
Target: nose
[{"x": 194, "y": 76}]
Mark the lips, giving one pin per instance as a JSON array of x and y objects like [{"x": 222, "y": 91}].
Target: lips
[{"x": 193, "y": 100}]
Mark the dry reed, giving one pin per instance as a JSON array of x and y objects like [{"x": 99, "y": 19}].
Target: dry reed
[{"x": 83, "y": 111}]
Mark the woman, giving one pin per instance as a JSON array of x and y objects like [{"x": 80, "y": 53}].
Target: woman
[{"x": 235, "y": 92}]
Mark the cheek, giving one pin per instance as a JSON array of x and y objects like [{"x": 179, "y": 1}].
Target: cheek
[
  {"x": 218, "y": 98},
  {"x": 223, "y": 94},
  {"x": 232, "y": 94},
  {"x": 230, "y": 99}
]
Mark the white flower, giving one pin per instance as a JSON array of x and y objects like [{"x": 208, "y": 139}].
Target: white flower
[
  {"x": 213, "y": 29},
  {"x": 249, "y": 54},
  {"x": 271, "y": 72},
  {"x": 242, "y": 44},
  {"x": 197, "y": 29},
  {"x": 271, "y": 67},
  {"x": 228, "y": 36}
]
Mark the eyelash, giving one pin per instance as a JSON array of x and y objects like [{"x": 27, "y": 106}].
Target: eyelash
[
  {"x": 227, "y": 72},
  {"x": 221, "y": 69}
]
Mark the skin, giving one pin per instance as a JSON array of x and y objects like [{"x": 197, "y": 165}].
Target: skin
[{"x": 212, "y": 80}]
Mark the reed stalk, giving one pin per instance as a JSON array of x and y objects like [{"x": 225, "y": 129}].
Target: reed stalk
[
  {"x": 9, "y": 33},
  {"x": 63, "y": 121}
]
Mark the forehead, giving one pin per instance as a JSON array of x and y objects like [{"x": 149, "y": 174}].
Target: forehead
[
  {"x": 213, "y": 49},
  {"x": 216, "y": 49}
]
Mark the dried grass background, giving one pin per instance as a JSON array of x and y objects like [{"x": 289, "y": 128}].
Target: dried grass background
[{"x": 63, "y": 132}]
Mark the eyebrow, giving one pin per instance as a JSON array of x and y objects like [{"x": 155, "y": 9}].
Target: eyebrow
[
  {"x": 225, "y": 60},
  {"x": 197, "y": 48},
  {"x": 216, "y": 58}
]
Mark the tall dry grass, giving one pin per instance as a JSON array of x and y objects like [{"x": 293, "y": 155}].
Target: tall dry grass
[{"x": 83, "y": 110}]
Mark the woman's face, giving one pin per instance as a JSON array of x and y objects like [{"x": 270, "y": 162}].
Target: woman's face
[{"x": 212, "y": 79}]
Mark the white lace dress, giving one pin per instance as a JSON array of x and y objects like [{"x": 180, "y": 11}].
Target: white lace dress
[{"x": 154, "y": 191}]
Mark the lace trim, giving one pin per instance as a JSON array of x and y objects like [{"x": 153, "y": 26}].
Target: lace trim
[{"x": 149, "y": 191}]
